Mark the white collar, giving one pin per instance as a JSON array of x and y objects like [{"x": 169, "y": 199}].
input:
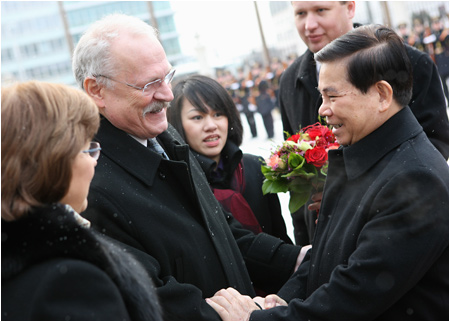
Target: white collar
[
  {"x": 317, "y": 70},
  {"x": 141, "y": 141}
]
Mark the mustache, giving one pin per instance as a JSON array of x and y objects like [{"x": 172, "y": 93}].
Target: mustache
[{"x": 155, "y": 107}]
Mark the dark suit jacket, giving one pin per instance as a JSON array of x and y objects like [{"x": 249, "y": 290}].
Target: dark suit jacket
[
  {"x": 381, "y": 246},
  {"x": 164, "y": 212}
]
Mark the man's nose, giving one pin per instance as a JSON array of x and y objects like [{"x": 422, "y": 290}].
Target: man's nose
[
  {"x": 311, "y": 22},
  {"x": 164, "y": 93},
  {"x": 324, "y": 109}
]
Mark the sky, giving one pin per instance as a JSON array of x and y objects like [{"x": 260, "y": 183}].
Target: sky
[{"x": 226, "y": 28}]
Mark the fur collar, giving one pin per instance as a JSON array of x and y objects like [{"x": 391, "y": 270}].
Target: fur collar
[{"x": 53, "y": 231}]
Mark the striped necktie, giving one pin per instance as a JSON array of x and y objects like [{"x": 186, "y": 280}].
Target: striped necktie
[{"x": 155, "y": 146}]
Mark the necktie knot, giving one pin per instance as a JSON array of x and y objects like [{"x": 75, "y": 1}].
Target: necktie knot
[{"x": 155, "y": 146}]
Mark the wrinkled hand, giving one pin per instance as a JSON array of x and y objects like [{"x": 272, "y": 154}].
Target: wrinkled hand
[
  {"x": 273, "y": 300},
  {"x": 259, "y": 300},
  {"x": 231, "y": 305},
  {"x": 317, "y": 200}
]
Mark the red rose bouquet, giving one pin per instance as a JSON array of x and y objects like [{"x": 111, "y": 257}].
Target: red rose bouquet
[{"x": 300, "y": 164}]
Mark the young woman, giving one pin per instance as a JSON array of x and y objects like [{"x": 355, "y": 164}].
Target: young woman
[
  {"x": 54, "y": 267},
  {"x": 205, "y": 115}
]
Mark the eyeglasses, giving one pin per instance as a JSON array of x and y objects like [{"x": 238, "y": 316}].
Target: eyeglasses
[
  {"x": 94, "y": 150},
  {"x": 149, "y": 88}
]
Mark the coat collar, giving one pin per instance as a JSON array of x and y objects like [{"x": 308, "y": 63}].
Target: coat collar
[
  {"x": 307, "y": 69},
  {"x": 43, "y": 233},
  {"x": 364, "y": 154},
  {"x": 231, "y": 155},
  {"x": 136, "y": 159}
]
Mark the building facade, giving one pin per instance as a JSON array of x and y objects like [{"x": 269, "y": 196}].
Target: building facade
[{"x": 38, "y": 37}]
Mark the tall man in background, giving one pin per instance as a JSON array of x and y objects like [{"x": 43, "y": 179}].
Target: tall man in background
[{"x": 318, "y": 23}]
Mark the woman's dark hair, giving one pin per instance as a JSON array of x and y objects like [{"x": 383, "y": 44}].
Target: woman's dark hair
[
  {"x": 374, "y": 53},
  {"x": 203, "y": 92}
]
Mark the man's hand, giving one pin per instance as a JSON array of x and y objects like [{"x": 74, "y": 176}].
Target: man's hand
[
  {"x": 273, "y": 300},
  {"x": 231, "y": 305},
  {"x": 317, "y": 200}
]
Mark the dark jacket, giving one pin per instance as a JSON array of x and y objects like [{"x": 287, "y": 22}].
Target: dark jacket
[
  {"x": 381, "y": 246},
  {"x": 300, "y": 100},
  {"x": 266, "y": 208},
  {"x": 264, "y": 103},
  {"x": 54, "y": 269},
  {"x": 165, "y": 213}
]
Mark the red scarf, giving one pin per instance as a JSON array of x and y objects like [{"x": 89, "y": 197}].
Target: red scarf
[{"x": 233, "y": 201}]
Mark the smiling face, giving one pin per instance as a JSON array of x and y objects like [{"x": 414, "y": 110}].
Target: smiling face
[
  {"x": 83, "y": 168},
  {"x": 320, "y": 22},
  {"x": 352, "y": 114},
  {"x": 206, "y": 133},
  {"x": 126, "y": 107}
]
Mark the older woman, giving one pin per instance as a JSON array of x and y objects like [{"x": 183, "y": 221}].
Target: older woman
[
  {"x": 205, "y": 115},
  {"x": 54, "y": 267}
]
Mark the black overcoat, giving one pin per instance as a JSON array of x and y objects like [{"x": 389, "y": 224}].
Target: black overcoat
[
  {"x": 381, "y": 246},
  {"x": 300, "y": 101},
  {"x": 55, "y": 269},
  {"x": 165, "y": 213}
]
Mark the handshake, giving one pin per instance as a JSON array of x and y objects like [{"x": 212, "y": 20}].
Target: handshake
[{"x": 232, "y": 306}]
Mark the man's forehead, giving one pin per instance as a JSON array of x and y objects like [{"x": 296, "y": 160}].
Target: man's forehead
[
  {"x": 333, "y": 71},
  {"x": 313, "y": 4}
]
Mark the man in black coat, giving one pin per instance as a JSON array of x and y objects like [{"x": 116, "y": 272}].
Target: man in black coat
[
  {"x": 159, "y": 204},
  {"x": 318, "y": 23},
  {"x": 381, "y": 246}
]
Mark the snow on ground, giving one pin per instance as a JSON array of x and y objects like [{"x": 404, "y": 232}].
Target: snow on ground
[{"x": 262, "y": 146}]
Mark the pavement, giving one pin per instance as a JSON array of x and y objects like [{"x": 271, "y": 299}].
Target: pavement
[{"x": 262, "y": 146}]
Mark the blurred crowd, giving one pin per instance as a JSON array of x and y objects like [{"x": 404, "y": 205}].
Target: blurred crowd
[
  {"x": 427, "y": 34},
  {"x": 254, "y": 89},
  {"x": 430, "y": 35}
]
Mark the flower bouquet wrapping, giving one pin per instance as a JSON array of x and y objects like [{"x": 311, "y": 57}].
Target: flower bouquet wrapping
[{"x": 299, "y": 165}]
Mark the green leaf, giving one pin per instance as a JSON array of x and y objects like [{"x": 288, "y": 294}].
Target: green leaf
[
  {"x": 297, "y": 200},
  {"x": 300, "y": 185},
  {"x": 277, "y": 186}
]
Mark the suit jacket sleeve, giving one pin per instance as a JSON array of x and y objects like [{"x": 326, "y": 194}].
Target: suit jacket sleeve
[
  {"x": 269, "y": 260},
  {"x": 396, "y": 248},
  {"x": 284, "y": 119},
  {"x": 428, "y": 101}
]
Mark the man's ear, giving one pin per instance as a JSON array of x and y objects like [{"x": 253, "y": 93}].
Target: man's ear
[
  {"x": 94, "y": 90},
  {"x": 385, "y": 93},
  {"x": 350, "y": 9}
]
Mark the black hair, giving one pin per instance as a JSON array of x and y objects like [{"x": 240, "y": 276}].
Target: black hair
[
  {"x": 374, "y": 53},
  {"x": 202, "y": 91}
]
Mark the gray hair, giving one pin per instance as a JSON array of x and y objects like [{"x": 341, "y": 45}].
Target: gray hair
[{"x": 92, "y": 55}]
